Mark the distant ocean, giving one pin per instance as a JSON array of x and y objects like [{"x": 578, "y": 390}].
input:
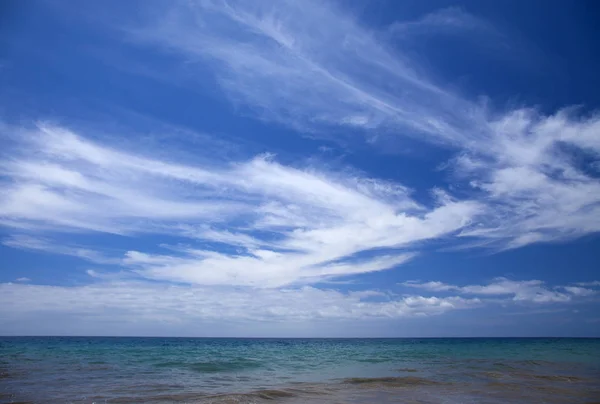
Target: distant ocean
[{"x": 221, "y": 370}]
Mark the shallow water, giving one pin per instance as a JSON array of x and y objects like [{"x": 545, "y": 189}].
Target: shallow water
[{"x": 126, "y": 370}]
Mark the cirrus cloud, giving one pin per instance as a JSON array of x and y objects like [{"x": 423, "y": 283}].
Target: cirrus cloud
[
  {"x": 316, "y": 67},
  {"x": 284, "y": 224}
]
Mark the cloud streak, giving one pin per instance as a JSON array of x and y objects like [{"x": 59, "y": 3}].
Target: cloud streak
[
  {"x": 269, "y": 225},
  {"x": 314, "y": 66},
  {"x": 451, "y": 20},
  {"x": 309, "y": 65},
  {"x": 26, "y": 242}
]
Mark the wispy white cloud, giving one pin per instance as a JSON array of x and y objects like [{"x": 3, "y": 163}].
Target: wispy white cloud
[
  {"x": 520, "y": 291},
  {"x": 591, "y": 283},
  {"x": 263, "y": 226},
  {"x": 532, "y": 177},
  {"x": 579, "y": 291},
  {"x": 451, "y": 20},
  {"x": 312, "y": 65},
  {"x": 539, "y": 312},
  {"x": 308, "y": 65},
  {"x": 23, "y": 279},
  {"x": 285, "y": 224},
  {"x": 27, "y": 242}
]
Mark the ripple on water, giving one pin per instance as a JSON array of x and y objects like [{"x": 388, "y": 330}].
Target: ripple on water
[
  {"x": 213, "y": 366},
  {"x": 403, "y": 381}
]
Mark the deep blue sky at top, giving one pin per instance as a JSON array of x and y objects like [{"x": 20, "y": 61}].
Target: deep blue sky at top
[{"x": 72, "y": 64}]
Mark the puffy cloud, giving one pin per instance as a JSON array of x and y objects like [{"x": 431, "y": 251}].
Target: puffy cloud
[{"x": 533, "y": 178}]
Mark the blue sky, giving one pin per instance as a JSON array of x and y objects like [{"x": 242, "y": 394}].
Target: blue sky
[{"x": 299, "y": 168}]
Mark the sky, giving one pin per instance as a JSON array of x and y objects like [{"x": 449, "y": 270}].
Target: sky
[{"x": 300, "y": 168}]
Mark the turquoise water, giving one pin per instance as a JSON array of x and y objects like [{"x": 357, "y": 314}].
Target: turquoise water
[{"x": 86, "y": 370}]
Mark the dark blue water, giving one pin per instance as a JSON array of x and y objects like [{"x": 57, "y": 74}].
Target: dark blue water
[{"x": 86, "y": 370}]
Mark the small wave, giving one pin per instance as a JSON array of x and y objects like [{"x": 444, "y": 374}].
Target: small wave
[
  {"x": 503, "y": 365},
  {"x": 373, "y": 360},
  {"x": 558, "y": 378},
  {"x": 537, "y": 362},
  {"x": 214, "y": 366},
  {"x": 158, "y": 398},
  {"x": 274, "y": 394},
  {"x": 306, "y": 393},
  {"x": 169, "y": 364},
  {"x": 495, "y": 375},
  {"x": 529, "y": 376},
  {"x": 12, "y": 374},
  {"x": 10, "y": 398},
  {"x": 563, "y": 390},
  {"x": 405, "y": 381},
  {"x": 224, "y": 366},
  {"x": 237, "y": 398}
]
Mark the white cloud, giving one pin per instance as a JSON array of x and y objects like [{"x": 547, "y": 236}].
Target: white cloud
[
  {"x": 434, "y": 286},
  {"x": 579, "y": 291},
  {"x": 287, "y": 224},
  {"x": 117, "y": 302},
  {"x": 314, "y": 66},
  {"x": 451, "y": 20},
  {"x": 530, "y": 177},
  {"x": 526, "y": 291},
  {"x": 591, "y": 283},
  {"x": 39, "y": 244},
  {"x": 253, "y": 227},
  {"x": 308, "y": 64},
  {"x": 305, "y": 64},
  {"x": 23, "y": 279},
  {"x": 122, "y": 301}
]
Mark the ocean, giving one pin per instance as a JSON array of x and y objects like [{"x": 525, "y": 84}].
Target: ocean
[{"x": 228, "y": 370}]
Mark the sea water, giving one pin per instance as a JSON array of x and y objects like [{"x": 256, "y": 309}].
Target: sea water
[{"x": 227, "y": 370}]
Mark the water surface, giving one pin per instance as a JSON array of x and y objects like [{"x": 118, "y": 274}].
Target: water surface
[{"x": 201, "y": 370}]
